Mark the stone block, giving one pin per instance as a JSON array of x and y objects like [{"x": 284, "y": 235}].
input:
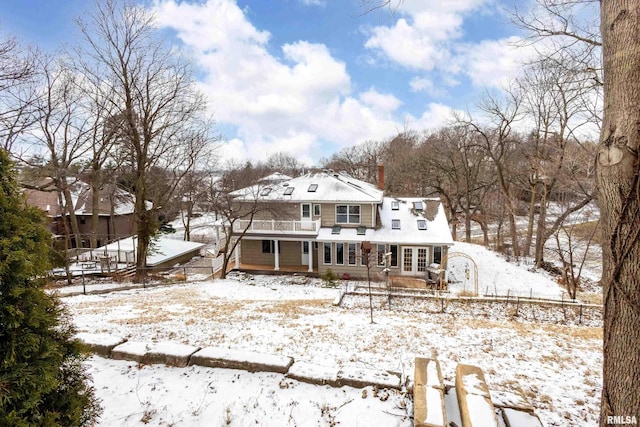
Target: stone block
[
  {"x": 428, "y": 394},
  {"x": 474, "y": 399},
  {"x": 215, "y": 357},
  {"x": 313, "y": 374},
  {"x": 360, "y": 377},
  {"x": 100, "y": 344}
]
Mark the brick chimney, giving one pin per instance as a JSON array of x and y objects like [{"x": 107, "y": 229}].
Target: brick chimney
[{"x": 381, "y": 176}]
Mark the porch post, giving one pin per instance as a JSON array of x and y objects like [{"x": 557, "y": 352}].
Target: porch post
[
  {"x": 238, "y": 256},
  {"x": 310, "y": 256},
  {"x": 276, "y": 250}
]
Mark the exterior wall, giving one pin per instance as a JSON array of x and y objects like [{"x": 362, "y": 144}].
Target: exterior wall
[
  {"x": 123, "y": 226},
  {"x": 328, "y": 216},
  {"x": 293, "y": 212},
  {"x": 282, "y": 212},
  {"x": 360, "y": 271},
  {"x": 290, "y": 253}
]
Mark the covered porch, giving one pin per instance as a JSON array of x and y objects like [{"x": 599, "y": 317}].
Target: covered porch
[
  {"x": 272, "y": 255},
  {"x": 270, "y": 269}
]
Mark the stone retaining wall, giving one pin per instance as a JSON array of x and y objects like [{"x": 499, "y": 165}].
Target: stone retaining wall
[{"x": 180, "y": 355}]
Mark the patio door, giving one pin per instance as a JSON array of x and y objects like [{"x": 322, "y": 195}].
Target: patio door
[
  {"x": 414, "y": 260},
  {"x": 305, "y": 253},
  {"x": 305, "y": 215}
]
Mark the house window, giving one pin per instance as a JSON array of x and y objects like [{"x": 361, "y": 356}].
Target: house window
[
  {"x": 327, "y": 253},
  {"x": 419, "y": 206},
  {"x": 305, "y": 247},
  {"x": 395, "y": 205},
  {"x": 394, "y": 255},
  {"x": 422, "y": 224},
  {"x": 362, "y": 230},
  {"x": 348, "y": 214},
  {"x": 316, "y": 210},
  {"x": 288, "y": 191},
  {"x": 381, "y": 252},
  {"x": 268, "y": 247},
  {"x": 336, "y": 229},
  {"x": 340, "y": 253},
  {"x": 265, "y": 191},
  {"x": 306, "y": 210},
  {"x": 437, "y": 254},
  {"x": 312, "y": 188},
  {"x": 422, "y": 259},
  {"x": 352, "y": 254},
  {"x": 395, "y": 224}
]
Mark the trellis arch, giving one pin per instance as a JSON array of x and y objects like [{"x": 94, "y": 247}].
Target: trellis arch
[{"x": 450, "y": 255}]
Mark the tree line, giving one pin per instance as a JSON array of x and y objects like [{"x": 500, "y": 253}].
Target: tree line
[
  {"x": 522, "y": 150},
  {"x": 119, "y": 105}
]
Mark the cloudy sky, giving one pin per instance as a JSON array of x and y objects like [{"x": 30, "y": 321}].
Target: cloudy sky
[{"x": 309, "y": 77}]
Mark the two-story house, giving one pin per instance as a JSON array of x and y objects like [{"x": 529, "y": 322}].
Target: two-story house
[
  {"x": 323, "y": 219},
  {"x": 115, "y": 211}
]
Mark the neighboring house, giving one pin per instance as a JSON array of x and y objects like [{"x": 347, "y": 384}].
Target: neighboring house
[
  {"x": 115, "y": 210},
  {"x": 323, "y": 218}
]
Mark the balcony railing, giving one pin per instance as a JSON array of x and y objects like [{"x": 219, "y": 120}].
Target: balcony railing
[{"x": 279, "y": 227}]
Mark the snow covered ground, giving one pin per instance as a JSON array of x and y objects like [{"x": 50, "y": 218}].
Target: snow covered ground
[{"x": 557, "y": 367}]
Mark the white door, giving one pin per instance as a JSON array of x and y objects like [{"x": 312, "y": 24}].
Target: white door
[
  {"x": 305, "y": 253},
  {"x": 305, "y": 214},
  {"x": 414, "y": 261}
]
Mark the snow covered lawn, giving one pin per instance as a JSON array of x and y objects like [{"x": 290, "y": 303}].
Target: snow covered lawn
[{"x": 556, "y": 367}]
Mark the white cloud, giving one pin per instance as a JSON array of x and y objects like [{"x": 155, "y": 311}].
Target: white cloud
[
  {"x": 425, "y": 84},
  {"x": 493, "y": 62},
  {"x": 427, "y": 38},
  {"x": 314, "y": 2},
  {"x": 436, "y": 116},
  {"x": 379, "y": 101},
  {"x": 294, "y": 103}
]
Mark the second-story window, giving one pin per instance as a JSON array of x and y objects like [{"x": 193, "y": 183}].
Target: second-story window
[
  {"x": 306, "y": 211},
  {"x": 348, "y": 214}
]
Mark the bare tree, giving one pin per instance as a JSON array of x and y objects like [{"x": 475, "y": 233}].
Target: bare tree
[
  {"x": 17, "y": 92},
  {"x": 572, "y": 248},
  {"x": 152, "y": 89},
  {"x": 556, "y": 101},
  {"x": 236, "y": 212},
  {"x": 565, "y": 31},
  {"x": 618, "y": 180},
  {"x": 284, "y": 163},
  {"x": 499, "y": 144},
  {"x": 452, "y": 163},
  {"x": 62, "y": 131},
  {"x": 359, "y": 160}
]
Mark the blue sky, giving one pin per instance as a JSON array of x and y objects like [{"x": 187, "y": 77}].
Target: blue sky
[{"x": 309, "y": 77}]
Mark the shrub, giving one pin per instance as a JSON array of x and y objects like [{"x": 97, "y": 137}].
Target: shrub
[{"x": 330, "y": 278}]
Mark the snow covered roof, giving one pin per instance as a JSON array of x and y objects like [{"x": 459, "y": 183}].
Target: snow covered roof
[
  {"x": 325, "y": 186},
  {"x": 275, "y": 177},
  {"x": 405, "y": 220},
  {"x": 163, "y": 249}
]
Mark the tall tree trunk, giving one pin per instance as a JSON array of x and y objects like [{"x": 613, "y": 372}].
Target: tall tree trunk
[
  {"x": 532, "y": 212},
  {"x": 73, "y": 220},
  {"x": 541, "y": 227},
  {"x": 618, "y": 179},
  {"x": 96, "y": 181}
]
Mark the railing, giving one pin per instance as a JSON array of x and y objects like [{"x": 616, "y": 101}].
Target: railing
[{"x": 274, "y": 226}]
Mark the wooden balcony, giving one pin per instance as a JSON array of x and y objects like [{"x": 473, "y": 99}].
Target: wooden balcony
[{"x": 270, "y": 227}]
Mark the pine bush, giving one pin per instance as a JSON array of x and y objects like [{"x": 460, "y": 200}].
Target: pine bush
[{"x": 42, "y": 379}]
